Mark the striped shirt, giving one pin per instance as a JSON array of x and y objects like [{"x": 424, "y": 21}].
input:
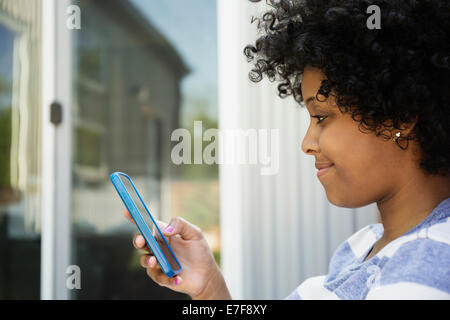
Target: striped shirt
[{"x": 413, "y": 266}]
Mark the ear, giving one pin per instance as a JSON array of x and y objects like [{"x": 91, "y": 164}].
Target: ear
[
  {"x": 388, "y": 131},
  {"x": 405, "y": 133},
  {"x": 407, "y": 128}
]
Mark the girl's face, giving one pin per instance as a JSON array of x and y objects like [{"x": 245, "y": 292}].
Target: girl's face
[{"x": 366, "y": 168}]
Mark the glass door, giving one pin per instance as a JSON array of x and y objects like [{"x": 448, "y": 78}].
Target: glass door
[{"x": 79, "y": 104}]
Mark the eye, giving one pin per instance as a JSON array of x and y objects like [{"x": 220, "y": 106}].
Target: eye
[{"x": 319, "y": 118}]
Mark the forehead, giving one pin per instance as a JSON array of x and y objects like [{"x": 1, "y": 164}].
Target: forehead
[{"x": 311, "y": 81}]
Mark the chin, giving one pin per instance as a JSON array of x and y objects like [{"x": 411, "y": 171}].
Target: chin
[{"x": 345, "y": 200}]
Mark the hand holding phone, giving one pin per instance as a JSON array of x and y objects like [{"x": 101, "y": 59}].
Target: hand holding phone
[
  {"x": 200, "y": 277},
  {"x": 146, "y": 224}
]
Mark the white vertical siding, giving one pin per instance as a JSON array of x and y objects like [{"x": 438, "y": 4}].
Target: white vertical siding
[{"x": 232, "y": 219}]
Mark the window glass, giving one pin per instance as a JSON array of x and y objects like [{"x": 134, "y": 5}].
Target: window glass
[
  {"x": 20, "y": 143},
  {"x": 142, "y": 69}
]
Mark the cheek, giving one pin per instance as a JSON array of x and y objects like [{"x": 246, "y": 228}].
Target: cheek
[{"x": 362, "y": 167}]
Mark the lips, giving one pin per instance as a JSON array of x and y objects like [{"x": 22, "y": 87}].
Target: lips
[{"x": 323, "y": 167}]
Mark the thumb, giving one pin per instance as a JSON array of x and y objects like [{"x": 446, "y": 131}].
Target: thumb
[{"x": 185, "y": 229}]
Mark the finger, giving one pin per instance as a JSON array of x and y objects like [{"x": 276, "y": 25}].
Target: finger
[
  {"x": 140, "y": 243},
  {"x": 148, "y": 261},
  {"x": 160, "y": 278},
  {"x": 161, "y": 225},
  {"x": 128, "y": 216},
  {"x": 185, "y": 229},
  {"x": 157, "y": 275},
  {"x": 176, "y": 281}
]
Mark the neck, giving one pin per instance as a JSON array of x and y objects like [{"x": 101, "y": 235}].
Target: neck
[{"x": 409, "y": 204}]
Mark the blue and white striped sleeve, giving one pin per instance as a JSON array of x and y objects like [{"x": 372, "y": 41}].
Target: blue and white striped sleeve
[{"x": 418, "y": 269}]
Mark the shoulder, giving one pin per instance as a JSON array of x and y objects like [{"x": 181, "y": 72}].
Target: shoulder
[
  {"x": 420, "y": 256},
  {"x": 417, "y": 265}
]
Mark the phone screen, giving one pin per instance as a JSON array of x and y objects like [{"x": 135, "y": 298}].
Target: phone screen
[{"x": 149, "y": 222}]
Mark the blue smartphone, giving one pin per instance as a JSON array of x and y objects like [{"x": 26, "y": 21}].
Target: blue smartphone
[{"x": 146, "y": 224}]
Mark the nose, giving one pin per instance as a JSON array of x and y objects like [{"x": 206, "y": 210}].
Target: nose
[{"x": 310, "y": 143}]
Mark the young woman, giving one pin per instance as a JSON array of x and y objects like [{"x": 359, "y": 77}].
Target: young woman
[{"x": 380, "y": 103}]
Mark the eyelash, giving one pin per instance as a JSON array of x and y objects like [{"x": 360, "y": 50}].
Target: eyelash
[{"x": 318, "y": 119}]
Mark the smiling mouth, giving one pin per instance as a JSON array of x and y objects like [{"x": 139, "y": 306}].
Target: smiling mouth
[{"x": 323, "y": 171}]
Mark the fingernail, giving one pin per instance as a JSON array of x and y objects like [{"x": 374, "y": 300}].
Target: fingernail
[
  {"x": 168, "y": 229},
  {"x": 149, "y": 261},
  {"x": 176, "y": 281}
]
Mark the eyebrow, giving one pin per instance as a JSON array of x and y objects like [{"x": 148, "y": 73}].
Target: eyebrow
[
  {"x": 315, "y": 105},
  {"x": 310, "y": 99}
]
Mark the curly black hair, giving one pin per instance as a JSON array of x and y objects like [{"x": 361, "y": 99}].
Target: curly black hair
[{"x": 385, "y": 77}]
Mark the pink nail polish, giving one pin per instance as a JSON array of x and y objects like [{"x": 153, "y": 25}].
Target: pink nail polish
[
  {"x": 168, "y": 229},
  {"x": 176, "y": 281}
]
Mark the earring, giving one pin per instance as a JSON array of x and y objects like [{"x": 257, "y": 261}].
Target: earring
[{"x": 397, "y": 135}]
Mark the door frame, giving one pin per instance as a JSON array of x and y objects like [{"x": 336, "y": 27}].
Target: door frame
[{"x": 56, "y": 149}]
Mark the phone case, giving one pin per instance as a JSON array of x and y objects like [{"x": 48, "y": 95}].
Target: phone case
[{"x": 142, "y": 226}]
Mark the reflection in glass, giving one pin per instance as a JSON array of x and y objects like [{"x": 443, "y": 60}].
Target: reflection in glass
[
  {"x": 20, "y": 111},
  {"x": 127, "y": 79},
  {"x": 194, "y": 189}
]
